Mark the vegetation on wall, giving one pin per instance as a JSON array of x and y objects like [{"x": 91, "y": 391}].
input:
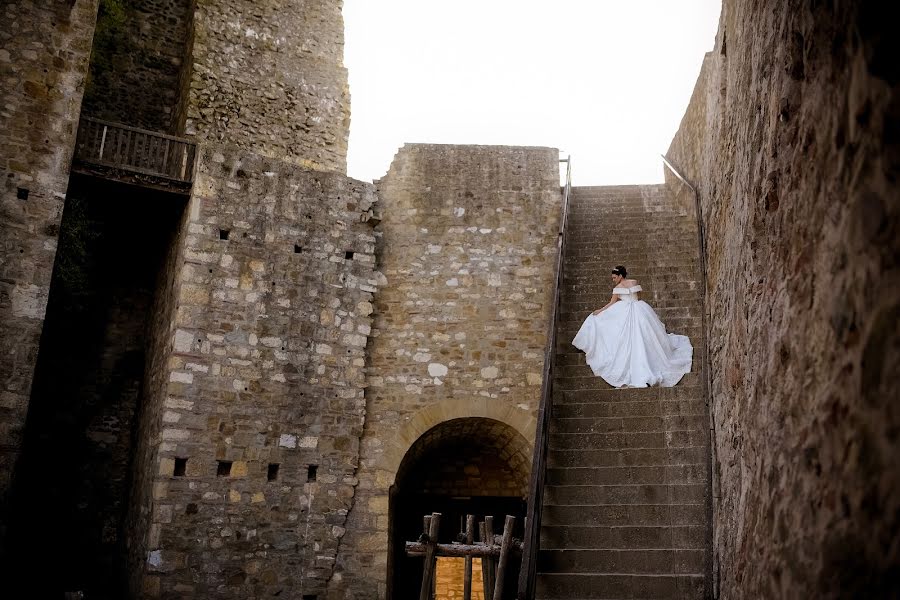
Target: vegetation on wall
[
  {"x": 110, "y": 42},
  {"x": 77, "y": 236}
]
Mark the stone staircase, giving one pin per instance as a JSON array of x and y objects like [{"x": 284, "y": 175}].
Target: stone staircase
[{"x": 627, "y": 486}]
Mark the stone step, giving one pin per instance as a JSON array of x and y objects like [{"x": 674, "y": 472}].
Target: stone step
[
  {"x": 572, "y": 586},
  {"x": 580, "y": 495},
  {"x": 597, "y": 383},
  {"x": 644, "y": 561},
  {"x": 635, "y": 408},
  {"x": 645, "y": 515},
  {"x": 634, "y": 537},
  {"x": 569, "y": 355},
  {"x": 581, "y": 306},
  {"x": 613, "y": 395},
  {"x": 628, "y": 457},
  {"x": 626, "y": 424},
  {"x": 673, "y": 325},
  {"x": 677, "y": 438},
  {"x": 656, "y": 475}
]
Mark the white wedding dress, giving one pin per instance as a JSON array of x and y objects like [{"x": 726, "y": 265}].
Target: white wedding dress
[{"x": 627, "y": 344}]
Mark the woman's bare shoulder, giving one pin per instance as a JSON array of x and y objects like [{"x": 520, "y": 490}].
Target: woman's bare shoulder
[{"x": 629, "y": 283}]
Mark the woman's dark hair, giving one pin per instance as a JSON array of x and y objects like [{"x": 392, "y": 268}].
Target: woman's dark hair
[{"x": 620, "y": 270}]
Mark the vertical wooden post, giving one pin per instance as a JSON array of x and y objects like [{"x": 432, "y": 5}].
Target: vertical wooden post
[
  {"x": 428, "y": 573},
  {"x": 470, "y": 538},
  {"x": 504, "y": 556},
  {"x": 487, "y": 564}
]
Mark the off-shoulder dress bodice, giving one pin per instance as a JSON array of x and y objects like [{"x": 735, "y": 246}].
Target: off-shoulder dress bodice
[{"x": 627, "y": 294}]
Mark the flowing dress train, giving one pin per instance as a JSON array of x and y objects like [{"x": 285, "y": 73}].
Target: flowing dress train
[{"x": 627, "y": 344}]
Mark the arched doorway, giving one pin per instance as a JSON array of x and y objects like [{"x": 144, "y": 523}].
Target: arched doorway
[{"x": 462, "y": 466}]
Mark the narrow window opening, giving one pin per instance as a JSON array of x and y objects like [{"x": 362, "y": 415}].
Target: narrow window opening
[
  {"x": 298, "y": 249},
  {"x": 223, "y": 469},
  {"x": 310, "y": 597},
  {"x": 272, "y": 474},
  {"x": 22, "y": 194},
  {"x": 180, "y": 467},
  {"x": 348, "y": 254},
  {"x": 224, "y": 233},
  {"x": 311, "y": 473}
]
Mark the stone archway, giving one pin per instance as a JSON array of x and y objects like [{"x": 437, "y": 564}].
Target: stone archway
[{"x": 466, "y": 465}]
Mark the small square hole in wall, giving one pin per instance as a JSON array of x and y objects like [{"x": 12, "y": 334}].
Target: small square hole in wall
[
  {"x": 272, "y": 473},
  {"x": 310, "y": 597},
  {"x": 223, "y": 469},
  {"x": 348, "y": 254},
  {"x": 180, "y": 467},
  {"x": 298, "y": 249},
  {"x": 311, "y": 473},
  {"x": 22, "y": 194},
  {"x": 224, "y": 233}
]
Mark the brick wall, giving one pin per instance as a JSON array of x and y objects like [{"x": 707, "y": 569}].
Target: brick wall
[{"x": 797, "y": 160}]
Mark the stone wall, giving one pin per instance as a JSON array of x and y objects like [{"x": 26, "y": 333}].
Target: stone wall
[
  {"x": 44, "y": 50},
  {"x": 270, "y": 78},
  {"x": 86, "y": 398},
  {"x": 797, "y": 160},
  {"x": 468, "y": 246},
  {"x": 255, "y": 442},
  {"x": 139, "y": 55}
]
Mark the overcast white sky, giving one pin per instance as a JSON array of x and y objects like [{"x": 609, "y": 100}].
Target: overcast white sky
[{"x": 606, "y": 81}]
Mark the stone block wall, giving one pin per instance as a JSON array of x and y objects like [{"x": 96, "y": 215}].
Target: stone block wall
[
  {"x": 797, "y": 160},
  {"x": 44, "y": 50},
  {"x": 254, "y": 440},
  {"x": 468, "y": 246},
  {"x": 270, "y": 78},
  {"x": 139, "y": 55},
  {"x": 77, "y": 455}
]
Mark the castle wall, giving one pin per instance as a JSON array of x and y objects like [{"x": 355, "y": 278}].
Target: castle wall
[
  {"x": 139, "y": 57},
  {"x": 797, "y": 159},
  {"x": 271, "y": 80},
  {"x": 77, "y": 454},
  {"x": 468, "y": 246},
  {"x": 264, "y": 372},
  {"x": 44, "y": 50}
]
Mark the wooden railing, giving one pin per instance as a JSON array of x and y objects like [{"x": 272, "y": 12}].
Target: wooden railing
[
  {"x": 528, "y": 574},
  {"x": 134, "y": 151}
]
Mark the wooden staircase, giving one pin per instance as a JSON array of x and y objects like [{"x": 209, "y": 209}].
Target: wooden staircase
[{"x": 626, "y": 488}]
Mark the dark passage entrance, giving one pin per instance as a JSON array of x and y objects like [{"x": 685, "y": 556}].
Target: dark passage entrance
[
  {"x": 463, "y": 466},
  {"x": 73, "y": 480}
]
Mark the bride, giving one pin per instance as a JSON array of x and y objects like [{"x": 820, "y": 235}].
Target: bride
[{"x": 626, "y": 344}]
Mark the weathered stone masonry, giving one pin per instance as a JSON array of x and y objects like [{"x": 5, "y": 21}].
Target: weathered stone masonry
[
  {"x": 265, "y": 374},
  {"x": 44, "y": 50},
  {"x": 269, "y": 78},
  {"x": 792, "y": 138},
  {"x": 467, "y": 245}
]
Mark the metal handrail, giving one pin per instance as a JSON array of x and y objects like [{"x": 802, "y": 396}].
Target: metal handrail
[
  {"x": 704, "y": 321},
  {"x": 701, "y": 243},
  {"x": 528, "y": 572}
]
